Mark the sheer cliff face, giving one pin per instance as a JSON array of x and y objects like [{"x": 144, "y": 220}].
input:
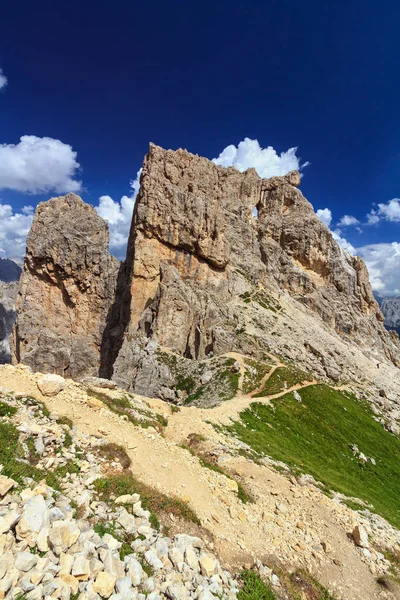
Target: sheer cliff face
[
  {"x": 196, "y": 251},
  {"x": 66, "y": 289}
]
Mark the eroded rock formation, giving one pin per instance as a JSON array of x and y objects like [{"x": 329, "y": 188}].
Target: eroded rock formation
[
  {"x": 66, "y": 290},
  {"x": 198, "y": 254},
  {"x": 217, "y": 261}
]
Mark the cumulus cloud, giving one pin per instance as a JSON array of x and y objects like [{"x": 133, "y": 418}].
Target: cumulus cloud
[
  {"x": 266, "y": 161},
  {"x": 325, "y": 214},
  {"x": 383, "y": 262},
  {"x": 119, "y": 216},
  {"x": 38, "y": 165},
  {"x": 389, "y": 211},
  {"x": 3, "y": 80},
  {"x": 347, "y": 221},
  {"x": 14, "y": 228}
]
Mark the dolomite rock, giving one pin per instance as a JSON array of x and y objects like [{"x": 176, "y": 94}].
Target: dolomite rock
[
  {"x": 360, "y": 536},
  {"x": 104, "y": 584},
  {"x": 51, "y": 384},
  {"x": 203, "y": 276},
  {"x": 6, "y": 484},
  {"x": 66, "y": 290},
  {"x": 195, "y": 250}
]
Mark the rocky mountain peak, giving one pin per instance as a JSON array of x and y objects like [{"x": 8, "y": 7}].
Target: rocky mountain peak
[
  {"x": 66, "y": 289},
  {"x": 218, "y": 260}
]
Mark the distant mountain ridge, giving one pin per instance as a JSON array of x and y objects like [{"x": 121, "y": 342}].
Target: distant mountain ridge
[
  {"x": 390, "y": 308},
  {"x": 10, "y": 273}
]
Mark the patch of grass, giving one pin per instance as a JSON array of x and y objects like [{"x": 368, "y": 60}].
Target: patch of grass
[
  {"x": 123, "y": 406},
  {"x": 67, "y": 440},
  {"x": 186, "y": 383},
  {"x": 253, "y": 374},
  {"x": 393, "y": 556},
  {"x": 33, "y": 456},
  {"x": 152, "y": 500},
  {"x": 125, "y": 550},
  {"x": 254, "y": 588},
  {"x": 114, "y": 452},
  {"x": 12, "y": 456},
  {"x": 148, "y": 569},
  {"x": 65, "y": 421},
  {"x": 244, "y": 496},
  {"x": 283, "y": 378},
  {"x": 316, "y": 436},
  {"x": 174, "y": 408},
  {"x": 30, "y": 400},
  {"x": 301, "y": 584},
  {"x": 6, "y": 410},
  {"x": 110, "y": 527}
]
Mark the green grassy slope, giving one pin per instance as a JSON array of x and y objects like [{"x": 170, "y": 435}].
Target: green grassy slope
[{"x": 316, "y": 437}]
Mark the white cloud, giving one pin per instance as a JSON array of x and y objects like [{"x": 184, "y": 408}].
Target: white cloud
[
  {"x": 325, "y": 214},
  {"x": 387, "y": 212},
  {"x": 119, "y": 216},
  {"x": 37, "y": 165},
  {"x": 14, "y": 228},
  {"x": 348, "y": 220},
  {"x": 3, "y": 79},
  {"x": 266, "y": 161},
  {"x": 383, "y": 263}
]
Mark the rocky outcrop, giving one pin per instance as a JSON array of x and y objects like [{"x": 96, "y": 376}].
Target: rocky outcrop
[
  {"x": 9, "y": 275},
  {"x": 66, "y": 290},
  {"x": 218, "y": 261},
  {"x": 198, "y": 257}
]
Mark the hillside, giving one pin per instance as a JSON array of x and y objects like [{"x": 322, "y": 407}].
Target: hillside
[
  {"x": 249, "y": 398},
  {"x": 194, "y": 475}
]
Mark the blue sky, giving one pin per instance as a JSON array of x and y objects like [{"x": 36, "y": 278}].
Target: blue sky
[{"x": 103, "y": 79}]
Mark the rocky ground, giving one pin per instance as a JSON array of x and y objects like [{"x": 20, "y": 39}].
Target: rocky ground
[
  {"x": 245, "y": 513},
  {"x": 67, "y": 543}
]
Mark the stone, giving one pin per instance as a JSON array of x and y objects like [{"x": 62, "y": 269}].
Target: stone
[
  {"x": 66, "y": 561},
  {"x": 9, "y": 520},
  {"x": 134, "y": 569},
  {"x": 81, "y": 567},
  {"x": 35, "y": 515},
  {"x": 232, "y": 485},
  {"x": 62, "y": 535},
  {"x": 153, "y": 560},
  {"x": 177, "y": 591},
  {"x": 127, "y": 499},
  {"x": 51, "y": 384},
  {"x": 207, "y": 565},
  {"x": 66, "y": 290},
  {"x": 6, "y": 484},
  {"x": 360, "y": 536},
  {"x": 104, "y": 584},
  {"x": 206, "y": 377},
  {"x": 99, "y": 382},
  {"x": 25, "y": 561}
]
